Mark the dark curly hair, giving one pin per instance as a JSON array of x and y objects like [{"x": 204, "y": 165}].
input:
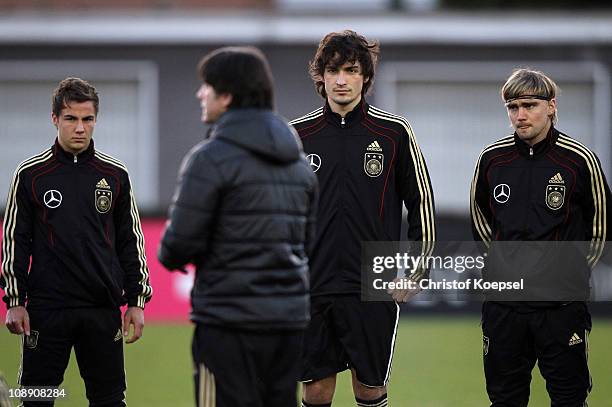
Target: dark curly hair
[{"x": 338, "y": 48}]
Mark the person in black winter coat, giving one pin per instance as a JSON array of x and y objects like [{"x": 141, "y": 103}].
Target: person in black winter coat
[{"x": 244, "y": 215}]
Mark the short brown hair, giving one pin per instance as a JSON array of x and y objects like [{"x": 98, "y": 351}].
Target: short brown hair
[
  {"x": 73, "y": 90},
  {"x": 529, "y": 82},
  {"x": 338, "y": 48}
]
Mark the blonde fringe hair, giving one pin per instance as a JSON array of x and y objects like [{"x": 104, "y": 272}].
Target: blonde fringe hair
[{"x": 525, "y": 81}]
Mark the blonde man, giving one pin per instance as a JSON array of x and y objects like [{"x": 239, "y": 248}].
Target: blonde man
[{"x": 538, "y": 185}]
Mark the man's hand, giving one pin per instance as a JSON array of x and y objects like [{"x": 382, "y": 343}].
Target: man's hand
[
  {"x": 404, "y": 294},
  {"x": 18, "y": 320},
  {"x": 133, "y": 316}
]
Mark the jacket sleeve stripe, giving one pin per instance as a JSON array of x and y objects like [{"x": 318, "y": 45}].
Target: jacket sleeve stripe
[
  {"x": 111, "y": 160},
  {"x": 427, "y": 192},
  {"x": 478, "y": 218},
  {"x": 10, "y": 220},
  {"x": 137, "y": 230},
  {"x": 599, "y": 196},
  {"x": 147, "y": 290},
  {"x": 426, "y": 206},
  {"x": 312, "y": 115}
]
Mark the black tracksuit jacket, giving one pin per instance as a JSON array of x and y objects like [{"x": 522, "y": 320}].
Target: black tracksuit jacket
[
  {"x": 76, "y": 218},
  {"x": 553, "y": 191},
  {"x": 369, "y": 166},
  {"x": 244, "y": 215}
]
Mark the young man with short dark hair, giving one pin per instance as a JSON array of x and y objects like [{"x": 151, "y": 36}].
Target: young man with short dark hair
[
  {"x": 369, "y": 166},
  {"x": 243, "y": 214},
  {"x": 538, "y": 186},
  {"x": 73, "y": 254}
]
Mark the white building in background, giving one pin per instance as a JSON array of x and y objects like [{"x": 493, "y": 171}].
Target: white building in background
[{"x": 441, "y": 71}]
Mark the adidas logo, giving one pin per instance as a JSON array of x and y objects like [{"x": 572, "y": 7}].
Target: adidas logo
[
  {"x": 118, "y": 335},
  {"x": 374, "y": 147},
  {"x": 103, "y": 184},
  {"x": 575, "y": 340},
  {"x": 556, "y": 179}
]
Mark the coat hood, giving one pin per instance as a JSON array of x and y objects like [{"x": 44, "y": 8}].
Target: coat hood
[{"x": 261, "y": 131}]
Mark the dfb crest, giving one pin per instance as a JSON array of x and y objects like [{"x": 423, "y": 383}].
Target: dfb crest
[
  {"x": 555, "y": 196},
  {"x": 104, "y": 200},
  {"x": 373, "y": 164}
]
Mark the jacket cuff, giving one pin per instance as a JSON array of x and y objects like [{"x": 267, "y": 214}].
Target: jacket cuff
[
  {"x": 137, "y": 302},
  {"x": 12, "y": 302},
  {"x": 418, "y": 275}
]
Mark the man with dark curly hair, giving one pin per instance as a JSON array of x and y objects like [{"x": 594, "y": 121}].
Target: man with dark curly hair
[{"x": 369, "y": 166}]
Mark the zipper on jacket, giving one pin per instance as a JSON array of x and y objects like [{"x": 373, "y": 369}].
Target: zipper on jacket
[
  {"x": 530, "y": 151},
  {"x": 341, "y": 202},
  {"x": 75, "y": 159},
  {"x": 528, "y": 204}
]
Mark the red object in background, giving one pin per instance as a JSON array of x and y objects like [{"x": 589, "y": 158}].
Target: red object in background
[{"x": 170, "y": 300}]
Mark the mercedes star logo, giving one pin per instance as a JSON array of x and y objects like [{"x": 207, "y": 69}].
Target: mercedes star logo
[
  {"x": 501, "y": 193},
  {"x": 315, "y": 162},
  {"x": 53, "y": 198}
]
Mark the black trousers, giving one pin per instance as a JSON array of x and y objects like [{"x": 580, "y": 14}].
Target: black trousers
[
  {"x": 557, "y": 338},
  {"x": 345, "y": 332},
  {"x": 95, "y": 334},
  {"x": 239, "y": 368}
]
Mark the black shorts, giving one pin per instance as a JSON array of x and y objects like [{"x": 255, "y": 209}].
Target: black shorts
[
  {"x": 95, "y": 334},
  {"x": 557, "y": 338},
  {"x": 239, "y": 368},
  {"x": 344, "y": 333}
]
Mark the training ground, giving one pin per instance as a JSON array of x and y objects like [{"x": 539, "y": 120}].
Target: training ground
[{"x": 438, "y": 363}]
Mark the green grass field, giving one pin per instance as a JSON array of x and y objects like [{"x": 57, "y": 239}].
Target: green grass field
[{"x": 437, "y": 364}]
